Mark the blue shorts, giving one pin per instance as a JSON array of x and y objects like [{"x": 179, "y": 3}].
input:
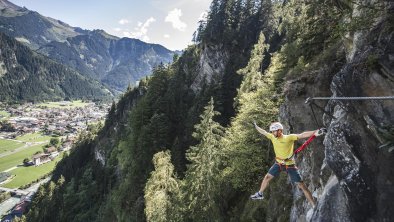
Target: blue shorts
[{"x": 291, "y": 170}]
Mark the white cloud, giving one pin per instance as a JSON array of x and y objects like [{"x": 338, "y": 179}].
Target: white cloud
[
  {"x": 123, "y": 21},
  {"x": 117, "y": 29},
  {"x": 141, "y": 30},
  {"x": 174, "y": 18},
  {"x": 166, "y": 36}
]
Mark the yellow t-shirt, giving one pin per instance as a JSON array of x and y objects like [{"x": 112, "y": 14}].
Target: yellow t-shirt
[{"x": 283, "y": 146}]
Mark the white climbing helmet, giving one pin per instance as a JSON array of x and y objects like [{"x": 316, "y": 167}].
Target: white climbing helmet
[{"x": 276, "y": 126}]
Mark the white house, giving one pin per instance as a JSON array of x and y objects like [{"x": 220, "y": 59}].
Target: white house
[{"x": 41, "y": 158}]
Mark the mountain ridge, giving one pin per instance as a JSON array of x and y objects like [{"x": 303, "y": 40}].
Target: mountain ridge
[
  {"x": 28, "y": 76},
  {"x": 88, "y": 52}
]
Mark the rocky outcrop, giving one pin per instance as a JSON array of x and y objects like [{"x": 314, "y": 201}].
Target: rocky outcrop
[
  {"x": 211, "y": 66},
  {"x": 349, "y": 172}
]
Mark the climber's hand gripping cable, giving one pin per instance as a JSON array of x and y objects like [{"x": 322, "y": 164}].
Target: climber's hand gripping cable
[{"x": 321, "y": 131}]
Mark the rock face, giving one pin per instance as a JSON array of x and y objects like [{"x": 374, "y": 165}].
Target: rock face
[
  {"x": 211, "y": 67},
  {"x": 350, "y": 172}
]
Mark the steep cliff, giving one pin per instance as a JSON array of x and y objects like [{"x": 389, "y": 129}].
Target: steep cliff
[
  {"x": 211, "y": 67},
  {"x": 350, "y": 171}
]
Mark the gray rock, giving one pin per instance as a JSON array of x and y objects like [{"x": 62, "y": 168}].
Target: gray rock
[
  {"x": 350, "y": 173},
  {"x": 332, "y": 205}
]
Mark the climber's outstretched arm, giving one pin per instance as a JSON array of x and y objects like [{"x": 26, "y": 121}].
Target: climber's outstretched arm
[
  {"x": 306, "y": 134},
  {"x": 260, "y": 130}
]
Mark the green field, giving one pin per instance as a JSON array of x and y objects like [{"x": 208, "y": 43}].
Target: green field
[
  {"x": 9, "y": 145},
  {"x": 33, "y": 137},
  {"x": 26, "y": 175},
  {"x": 74, "y": 104},
  {"x": 4, "y": 114},
  {"x": 17, "y": 158}
]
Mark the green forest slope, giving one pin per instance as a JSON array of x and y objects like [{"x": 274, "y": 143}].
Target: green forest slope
[
  {"x": 181, "y": 146},
  {"x": 30, "y": 77}
]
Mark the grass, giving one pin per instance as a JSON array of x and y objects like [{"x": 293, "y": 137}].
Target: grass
[
  {"x": 17, "y": 158},
  {"x": 4, "y": 114},
  {"x": 73, "y": 104},
  {"x": 33, "y": 137},
  {"x": 26, "y": 175},
  {"x": 9, "y": 145}
]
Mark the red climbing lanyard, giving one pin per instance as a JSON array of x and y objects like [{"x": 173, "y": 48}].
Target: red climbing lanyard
[{"x": 303, "y": 146}]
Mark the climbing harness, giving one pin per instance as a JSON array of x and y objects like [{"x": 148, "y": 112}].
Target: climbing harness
[
  {"x": 286, "y": 166},
  {"x": 321, "y": 131},
  {"x": 299, "y": 149}
]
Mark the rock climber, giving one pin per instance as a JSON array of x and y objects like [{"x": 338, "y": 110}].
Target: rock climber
[{"x": 284, "y": 158}]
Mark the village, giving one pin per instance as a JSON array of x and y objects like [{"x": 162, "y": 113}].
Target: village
[
  {"x": 61, "y": 120},
  {"x": 35, "y": 135}
]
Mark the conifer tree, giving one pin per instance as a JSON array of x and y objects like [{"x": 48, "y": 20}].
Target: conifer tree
[
  {"x": 215, "y": 21},
  {"x": 203, "y": 173},
  {"x": 232, "y": 18},
  {"x": 162, "y": 193},
  {"x": 254, "y": 103},
  {"x": 253, "y": 76}
]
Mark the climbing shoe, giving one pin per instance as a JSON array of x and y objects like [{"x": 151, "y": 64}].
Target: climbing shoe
[{"x": 257, "y": 196}]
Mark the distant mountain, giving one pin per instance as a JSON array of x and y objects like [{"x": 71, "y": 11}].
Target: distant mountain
[
  {"x": 31, "y": 28},
  {"x": 28, "y": 76},
  {"x": 116, "y": 62}
]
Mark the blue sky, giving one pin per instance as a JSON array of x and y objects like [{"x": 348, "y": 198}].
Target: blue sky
[{"x": 170, "y": 23}]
